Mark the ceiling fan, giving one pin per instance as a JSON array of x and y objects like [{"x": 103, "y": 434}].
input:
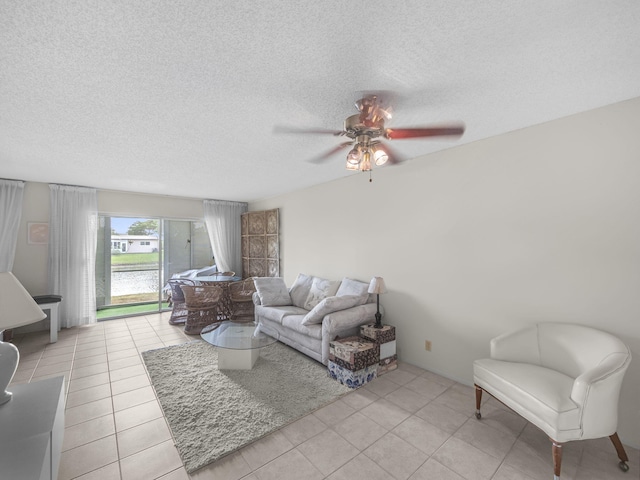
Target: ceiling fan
[{"x": 366, "y": 128}]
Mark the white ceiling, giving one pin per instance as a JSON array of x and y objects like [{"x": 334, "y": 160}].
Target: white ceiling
[{"x": 182, "y": 97}]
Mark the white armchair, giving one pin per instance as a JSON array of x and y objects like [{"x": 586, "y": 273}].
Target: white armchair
[{"x": 563, "y": 378}]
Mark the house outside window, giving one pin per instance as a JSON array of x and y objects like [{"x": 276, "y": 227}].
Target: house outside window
[{"x": 134, "y": 264}]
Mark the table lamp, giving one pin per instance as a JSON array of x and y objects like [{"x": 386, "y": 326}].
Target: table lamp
[
  {"x": 377, "y": 286},
  {"x": 17, "y": 308}
]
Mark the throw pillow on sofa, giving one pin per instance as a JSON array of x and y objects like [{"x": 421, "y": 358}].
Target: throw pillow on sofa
[
  {"x": 330, "y": 305},
  {"x": 299, "y": 291},
  {"x": 349, "y": 286},
  {"x": 272, "y": 291},
  {"x": 320, "y": 289}
]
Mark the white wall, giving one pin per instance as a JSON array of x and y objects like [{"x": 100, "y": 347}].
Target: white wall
[{"x": 541, "y": 224}]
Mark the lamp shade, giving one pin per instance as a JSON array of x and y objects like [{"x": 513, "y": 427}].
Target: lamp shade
[
  {"x": 377, "y": 285},
  {"x": 17, "y": 307}
]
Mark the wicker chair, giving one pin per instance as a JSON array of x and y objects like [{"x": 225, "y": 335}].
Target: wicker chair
[
  {"x": 241, "y": 294},
  {"x": 202, "y": 306},
  {"x": 178, "y": 307}
]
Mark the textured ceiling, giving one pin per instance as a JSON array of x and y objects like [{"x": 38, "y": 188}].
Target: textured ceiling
[{"x": 182, "y": 97}]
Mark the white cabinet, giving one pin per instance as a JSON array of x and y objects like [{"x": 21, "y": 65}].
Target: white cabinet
[{"x": 32, "y": 430}]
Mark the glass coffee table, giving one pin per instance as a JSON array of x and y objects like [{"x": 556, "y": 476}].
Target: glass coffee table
[{"x": 239, "y": 343}]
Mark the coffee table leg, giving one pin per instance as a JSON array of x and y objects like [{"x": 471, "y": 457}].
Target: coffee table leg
[{"x": 230, "y": 359}]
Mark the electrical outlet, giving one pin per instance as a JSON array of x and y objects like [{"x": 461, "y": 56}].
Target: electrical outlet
[{"x": 427, "y": 345}]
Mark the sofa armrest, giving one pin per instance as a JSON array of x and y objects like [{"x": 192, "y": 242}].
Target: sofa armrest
[
  {"x": 256, "y": 298},
  {"x": 606, "y": 372},
  {"x": 349, "y": 318},
  {"x": 596, "y": 391},
  {"x": 345, "y": 323}
]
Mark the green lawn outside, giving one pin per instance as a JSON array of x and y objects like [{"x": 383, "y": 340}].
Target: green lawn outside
[{"x": 135, "y": 258}]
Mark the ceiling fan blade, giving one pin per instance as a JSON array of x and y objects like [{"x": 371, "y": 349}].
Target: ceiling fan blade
[
  {"x": 321, "y": 131},
  {"x": 401, "y": 133},
  {"x": 331, "y": 152}
]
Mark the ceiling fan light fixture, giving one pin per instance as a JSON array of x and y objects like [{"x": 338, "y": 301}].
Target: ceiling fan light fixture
[
  {"x": 354, "y": 156},
  {"x": 380, "y": 157},
  {"x": 352, "y": 167}
]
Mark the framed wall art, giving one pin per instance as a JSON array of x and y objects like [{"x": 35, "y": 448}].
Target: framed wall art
[{"x": 37, "y": 233}]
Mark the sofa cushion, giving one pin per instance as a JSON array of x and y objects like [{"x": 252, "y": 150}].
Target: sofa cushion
[
  {"x": 320, "y": 289},
  {"x": 272, "y": 291},
  {"x": 294, "y": 322},
  {"x": 276, "y": 314},
  {"x": 299, "y": 291},
  {"x": 331, "y": 304},
  {"x": 529, "y": 388},
  {"x": 349, "y": 286}
]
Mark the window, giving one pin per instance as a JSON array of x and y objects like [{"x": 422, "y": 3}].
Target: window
[{"x": 131, "y": 272}]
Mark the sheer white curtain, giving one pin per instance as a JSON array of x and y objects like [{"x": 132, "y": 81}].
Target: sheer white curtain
[
  {"x": 224, "y": 225},
  {"x": 11, "y": 192},
  {"x": 73, "y": 231}
]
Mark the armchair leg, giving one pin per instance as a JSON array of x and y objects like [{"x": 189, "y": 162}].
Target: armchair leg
[
  {"x": 556, "y": 450},
  {"x": 622, "y": 455},
  {"x": 478, "y": 401}
]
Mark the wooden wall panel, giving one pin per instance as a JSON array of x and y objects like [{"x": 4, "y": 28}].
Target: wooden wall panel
[{"x": 261, "y": 244}]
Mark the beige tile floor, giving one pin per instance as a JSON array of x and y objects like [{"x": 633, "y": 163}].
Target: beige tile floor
[{"x": 407, "y": 424}]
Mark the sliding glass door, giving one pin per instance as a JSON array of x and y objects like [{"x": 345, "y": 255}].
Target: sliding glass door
[
  {"x": 186, "y": 247},
  {"x": 136, "y": 257}
]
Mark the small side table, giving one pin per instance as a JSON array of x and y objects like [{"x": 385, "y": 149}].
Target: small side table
[
  {"x": 51, "y": 303},
  {"x": 353, "y": 361},
  {"x": 386, "y": 338}
]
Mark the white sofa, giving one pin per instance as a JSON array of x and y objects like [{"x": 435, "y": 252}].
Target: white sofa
[
  {"x": 313, "y": 311},
  {"x": 563, "y": 378}
]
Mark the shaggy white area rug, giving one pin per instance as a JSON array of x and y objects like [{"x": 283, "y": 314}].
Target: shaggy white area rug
[{"x": 214, "y": 412}]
